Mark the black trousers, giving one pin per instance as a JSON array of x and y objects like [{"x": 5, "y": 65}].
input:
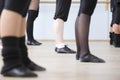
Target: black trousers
[
  {"x": 19, "y": 6},
  {"x": 87, "y": 7},
  {"x": 62, "y": 9}
]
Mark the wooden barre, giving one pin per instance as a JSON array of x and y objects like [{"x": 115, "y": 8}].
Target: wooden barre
[{"x": 74, "y": 2}]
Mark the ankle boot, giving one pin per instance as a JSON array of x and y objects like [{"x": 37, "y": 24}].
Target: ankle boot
[{"x": 117, "y": 40}]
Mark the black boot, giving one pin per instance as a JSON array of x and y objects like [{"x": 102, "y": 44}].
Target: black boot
[
  {"x": 25, "y": 59},
  {"x": 13, "y": 66},
  {"x": 111, "y": 35},
  {"x": 117, "y": 40}
]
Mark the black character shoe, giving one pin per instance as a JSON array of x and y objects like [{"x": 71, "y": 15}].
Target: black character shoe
[
  {"x": 91, "y": 58},
  {"x": 19, "y": 72},
  {"x": 64, "y": 50},
  {"x": 33, "y": 42},
  {"x": 34, "y": 67}
]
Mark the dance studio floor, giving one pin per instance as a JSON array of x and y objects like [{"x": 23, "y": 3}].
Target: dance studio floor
[{"x": 65, "y": 67}]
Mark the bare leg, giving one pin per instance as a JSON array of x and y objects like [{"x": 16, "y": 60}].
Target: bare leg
[{"x": 58, "y": 30}]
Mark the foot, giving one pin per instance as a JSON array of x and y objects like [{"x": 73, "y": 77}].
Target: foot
[
  {"x": 65, "y": 49},
  {"x": 19, "y": 72},
  {"x": 91, "y": 58},
  {"x": 33, "y": 42},
  {"x": 34, "y": 67}
]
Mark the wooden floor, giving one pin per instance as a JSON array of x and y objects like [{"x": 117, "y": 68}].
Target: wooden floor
[{"x": 65, "y": 67}]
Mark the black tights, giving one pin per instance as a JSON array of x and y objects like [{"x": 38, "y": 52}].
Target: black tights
[
  {"x": 82, "y": 27},
  {"x": 82, "y": 32}
]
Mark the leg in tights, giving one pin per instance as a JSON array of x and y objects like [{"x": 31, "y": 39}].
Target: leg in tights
[
  {"x": 77, "y": 38},
  {"x": 32, "y": 15},
  {"x": 82, "y": 32}
]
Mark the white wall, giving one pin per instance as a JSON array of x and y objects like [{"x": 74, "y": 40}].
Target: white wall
[{"x": 44, "y": 23}]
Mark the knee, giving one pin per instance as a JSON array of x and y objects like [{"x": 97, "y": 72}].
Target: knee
[{"x": 116, "y": 28}]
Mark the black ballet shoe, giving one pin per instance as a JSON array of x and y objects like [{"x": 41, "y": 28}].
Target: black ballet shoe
[
  {"x": 19, "y": 72},
  {"x": 33, "y": 42},
  {"x": 65, "y": 50},
  {"x": 34, "y": 67},
  {"x": 91, "y": 58}
]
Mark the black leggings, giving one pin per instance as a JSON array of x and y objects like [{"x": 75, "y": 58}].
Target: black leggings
[
  {"x": 19, "y": 6},
  {"x": 87, "y": 7}
]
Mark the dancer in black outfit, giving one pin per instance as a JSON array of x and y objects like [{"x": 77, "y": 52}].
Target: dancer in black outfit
[
  {"x": 82, "y": 26},
  {"x": 14, "y": 51}
]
